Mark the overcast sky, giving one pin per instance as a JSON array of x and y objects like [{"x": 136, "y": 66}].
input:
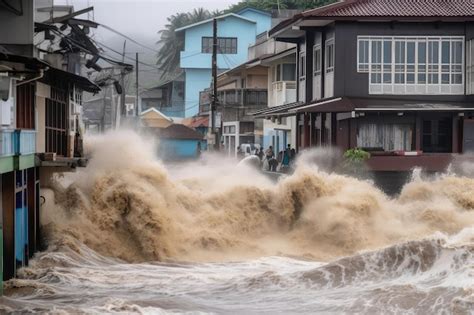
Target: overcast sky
[{"x": 141, "y": 18}]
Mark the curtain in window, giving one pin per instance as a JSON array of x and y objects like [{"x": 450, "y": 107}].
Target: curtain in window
[{"x": 390, "y": 137}]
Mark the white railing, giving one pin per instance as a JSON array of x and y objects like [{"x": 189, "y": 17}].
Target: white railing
[{"x": 283, "y": 92}]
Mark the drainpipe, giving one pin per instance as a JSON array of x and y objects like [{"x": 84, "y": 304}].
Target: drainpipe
[{"x": 41, "y": 75}]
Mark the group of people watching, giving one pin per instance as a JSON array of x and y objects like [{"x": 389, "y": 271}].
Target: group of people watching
[{"x": 271, "y": 162}]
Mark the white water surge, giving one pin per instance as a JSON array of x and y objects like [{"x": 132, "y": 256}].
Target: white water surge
[{"x": 126, "y": 235}]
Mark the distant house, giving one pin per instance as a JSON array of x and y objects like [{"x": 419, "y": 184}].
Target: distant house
[
  {"x": 100, "y": 113},
  {"x": 167, "y": 97},
  {"x": 178, "y": 142},
  {"x": 236, "y": 32},
  {"x": 199, "y": 123},
  {"x": 153, "y": 118}
]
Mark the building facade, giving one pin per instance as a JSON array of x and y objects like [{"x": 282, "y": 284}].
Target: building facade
[
  {"x": 232, "y": 49},
  {"x": 392, "y": 78},
  {"x": 40, "y": 130},
  {"x": 167, "y": 97}
]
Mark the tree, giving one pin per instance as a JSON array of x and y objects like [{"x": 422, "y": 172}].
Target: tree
[
  {"x": 279, "y": 4},
  {"x": 172, "y": 42}
]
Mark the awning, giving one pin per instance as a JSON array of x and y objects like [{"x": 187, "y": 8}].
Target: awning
[
  {"x": 338, "y": 104},
  {"x": 82, "y": 82},
  {"x": 346, "y": 104},
  {"x": 278, "y": 56},
  {"x": 29, "y": 62},
  {"x": 35, "y": 63},
  {"x": 282, "y": 110}
]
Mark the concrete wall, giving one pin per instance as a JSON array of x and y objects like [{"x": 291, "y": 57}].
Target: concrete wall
[
  {"x": 274, "y": 129},
  {"x": 17, "y": 30},
  {"x": 196, "y": 80},
  {"x": 43, "y": 91}
]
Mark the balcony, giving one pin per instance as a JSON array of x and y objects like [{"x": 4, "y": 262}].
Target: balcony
[
  {"x": 7, "y": 143},
  {"x": 283, "y": 92},
  {"x": 243, "y": 97},
  {"x": 234, "y": 98}
]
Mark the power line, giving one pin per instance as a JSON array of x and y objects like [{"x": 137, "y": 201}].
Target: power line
[
  {"x": 130, "y": 58},
  {"x": 129, "y": 38},
  {"x": 85, "y": 49}
]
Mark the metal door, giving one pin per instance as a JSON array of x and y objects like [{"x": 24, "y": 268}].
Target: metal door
[{"x": 468, "y": 135}]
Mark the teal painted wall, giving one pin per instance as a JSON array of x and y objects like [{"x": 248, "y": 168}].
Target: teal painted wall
[
  {"x": 197, "y": 80},
  {"x": 264, "y": 21},
  {"x": 171, "y": 149}
]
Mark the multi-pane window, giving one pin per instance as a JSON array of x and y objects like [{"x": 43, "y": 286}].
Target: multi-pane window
[
  {"x": 317, "y": 60},
  {"x": 329, "y": 55},
  {"x": 412, "y": 65},
  {"x": 470, "y": 66},
  {"x": 363, "y": 56},
  {"x": 302, "y": 65},
  {"x": 225, "y": 45},
  {"x": 284, "y": 72}
]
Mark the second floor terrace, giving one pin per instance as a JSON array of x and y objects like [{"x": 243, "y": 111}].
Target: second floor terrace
[{"x": 236, "y": 98}]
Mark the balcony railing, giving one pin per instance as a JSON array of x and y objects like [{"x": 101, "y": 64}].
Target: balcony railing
[
  {"x": 234, "y": 97},
  {"x": 243, "y": 97},
  {"x": 26, "y": 141},
  {"x": 7, "y": 143},
  {"x": 283, "y": 92}
]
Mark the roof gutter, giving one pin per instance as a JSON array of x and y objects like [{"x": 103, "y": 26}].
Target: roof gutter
[{"x": 40, "y": 76}]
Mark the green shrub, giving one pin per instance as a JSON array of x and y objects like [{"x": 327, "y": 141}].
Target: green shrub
[{"x": 356, "y": 155}]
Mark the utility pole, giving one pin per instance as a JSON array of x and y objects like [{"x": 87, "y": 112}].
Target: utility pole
[
  {"x": 123, "y": 110},
  {"x": 137, "y": 112},
  {"x": 214, "y": 83}
]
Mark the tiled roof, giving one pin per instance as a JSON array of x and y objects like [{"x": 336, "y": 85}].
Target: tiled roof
[
  {"x": 437, "y": 10},
  {"x": 180, "y": 132},
  {"x": 395, "y": 8}
]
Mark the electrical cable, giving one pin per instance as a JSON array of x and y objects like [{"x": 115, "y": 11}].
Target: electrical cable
[{"x": 129, "y": 38}]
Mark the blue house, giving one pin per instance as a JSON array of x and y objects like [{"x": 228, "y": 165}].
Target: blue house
[
  {"x": 179, "y": 142},
  {"x": 235, "y": 31}
]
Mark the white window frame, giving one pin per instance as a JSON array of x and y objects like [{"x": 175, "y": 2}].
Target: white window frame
[
  {"x": 398, "y": 84},
  {"x": 302, "y": 65},
  {"x": 363, "y": 67},
  {"x": 282, "y": 66},
  {"x": 470, "y": 67},
  {"x": 329, "y": 56},
  {"x": 317, "y": 72}
]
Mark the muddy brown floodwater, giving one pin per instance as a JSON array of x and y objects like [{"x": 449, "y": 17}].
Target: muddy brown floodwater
[{"x": 130, "y": 235}]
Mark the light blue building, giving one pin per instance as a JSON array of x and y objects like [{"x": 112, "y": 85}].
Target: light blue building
[{"x": 235, "y": 32}]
